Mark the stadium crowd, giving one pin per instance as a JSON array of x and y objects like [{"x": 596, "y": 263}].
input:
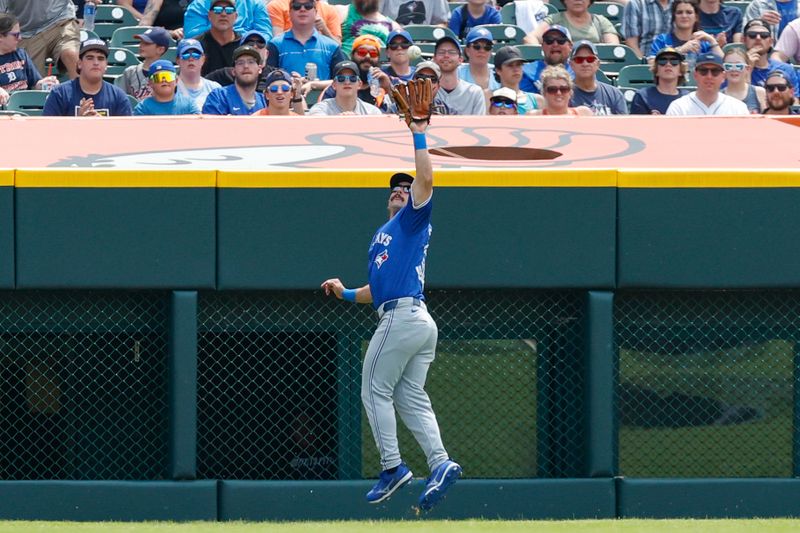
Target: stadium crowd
[{"x": 312, "y": 57}]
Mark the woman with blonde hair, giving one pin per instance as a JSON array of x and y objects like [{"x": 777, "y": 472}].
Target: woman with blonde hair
[
  {"x": 557, "y": 91},
  {"x": 738, "y": 68}
]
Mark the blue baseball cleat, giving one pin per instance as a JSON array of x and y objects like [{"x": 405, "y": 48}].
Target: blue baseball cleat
[
  {"x": 388, "y": 484},
  {"x": 445, "y": 475}
]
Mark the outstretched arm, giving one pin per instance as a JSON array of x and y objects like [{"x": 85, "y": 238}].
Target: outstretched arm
[
  {"x": 414, "y": 100},
  {"x": 422, "y": 186},
  {"x": 334, "y": 286}
]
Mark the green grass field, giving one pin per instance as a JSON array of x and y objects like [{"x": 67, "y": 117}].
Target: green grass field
[{"x": 482, "y": 526}]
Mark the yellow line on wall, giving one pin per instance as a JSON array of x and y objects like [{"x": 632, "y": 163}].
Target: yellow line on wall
[
  {"x": 708, "y": 178},
  {"x": 93, "y": 178},
  {"x": 6, "y": 178}
]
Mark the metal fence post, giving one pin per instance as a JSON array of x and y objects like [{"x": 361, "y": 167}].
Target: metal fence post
[{"x": 182, "y": 379}]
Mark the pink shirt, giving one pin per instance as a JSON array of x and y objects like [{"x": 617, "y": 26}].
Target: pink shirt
[{"x": 789, "y": 42}]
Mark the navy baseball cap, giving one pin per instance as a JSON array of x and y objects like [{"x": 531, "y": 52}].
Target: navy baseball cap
[
  {"x": 400, "y": 177},
  {"x": 93, "y": 44},
  {"x": 253, "y": 33},
  {"x": 584, "y": 44},
  {"x": 278, "y": 75},
  {"x": 449, "y": 39},
  {"x": 162, "y": 65},
  {"x": 190, "y": 44},
  {"x": 778, "y": 73},
  {"x": 399, "y": 33},
  {"x": 157, "y": 36},
  {"x": 668, "y": 50},
  {"x": 560, "y": 29},
  {"x": 247, "y": 51},
  {"x": 478, "y": 33},
  {"x": 708, "y": 58}
]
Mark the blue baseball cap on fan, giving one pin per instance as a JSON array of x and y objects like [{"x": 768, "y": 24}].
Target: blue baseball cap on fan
[
  {"x": 478, "y": 33},
  {"x": 560, "y": 29},
  {"x": 190, "y": 44},
  {"x": 399, "y": 33},
  {"x": 162, "y": 65}
]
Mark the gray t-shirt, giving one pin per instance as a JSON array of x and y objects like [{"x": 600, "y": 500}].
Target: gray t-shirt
[
  {"x": 466, "y": 99},
  {"x": 605, "y": 100},
  {"x": 406, "y": 12},
  {"x": 198, "y": 95},
  {"x": 35, "y": 16},
  {"x": 330, "y": 107},
  {"x": 135, "y": 81}
]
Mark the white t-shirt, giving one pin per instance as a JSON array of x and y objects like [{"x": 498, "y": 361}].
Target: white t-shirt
[
  {"x": 330, "y": 107},
  {"x": 690, "y": 105},
  {"x": 198, "y": 95}
]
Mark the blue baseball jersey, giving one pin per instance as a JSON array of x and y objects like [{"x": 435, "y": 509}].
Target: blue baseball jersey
[{"x": 397, "y": 254}]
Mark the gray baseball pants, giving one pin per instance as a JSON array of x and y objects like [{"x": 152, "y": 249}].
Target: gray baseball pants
[{"x": 395, "y": 368}]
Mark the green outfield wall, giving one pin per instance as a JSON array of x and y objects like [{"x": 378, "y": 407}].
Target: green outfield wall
[{"x": 612, "y": 344}]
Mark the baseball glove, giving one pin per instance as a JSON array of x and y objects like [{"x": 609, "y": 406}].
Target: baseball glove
[{"x": 414, "y": 100}]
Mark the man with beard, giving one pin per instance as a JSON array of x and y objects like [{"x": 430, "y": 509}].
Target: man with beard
[
  {"x": 304, "y": 44},
  {"x": 556, "y": 48},
  {"x": 366, "y": 54},
  {"x": 758, "y": 41},
  {"x": 257, "y": 40},
  {"x": 780, "y": 96},
  {"x": 417, "y": 11},
  {"x": 461, "y": 97},
  {"x": 364, "y": 14},
  {"x": 241, "y": 98}
]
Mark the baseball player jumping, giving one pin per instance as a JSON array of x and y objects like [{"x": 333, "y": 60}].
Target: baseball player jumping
[{"x": 404, "y": 344}]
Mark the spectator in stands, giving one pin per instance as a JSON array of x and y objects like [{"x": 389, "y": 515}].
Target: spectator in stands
[
  {"x": 556, "y": 49},
  {"x": 406, "y": 12},
  {"x": 557, "y": 89},
  {"x": 250, "y": 15},
  {"x": 461, "y": 97},
  {"x": 241, "y": 98},
  {"x": 758, "y": 41},
  {"x": 256, "y": 39},
  {"x": 17, "y": 71},
  {"x": 478, "y": 70},
  {"x": 167, "y": 14},
  {"x": 601, "y": 98},
  {"x": 721, "y": 21},
  {"x": 431, "y": 71},
  {"x": 364, "y": 15},
  {"x": 642, "y": 21},
  {"x": 153, "y": 43},
  {"x": 399, "y": 67},
  {"x": 88, "y": 95},
  {"x": 328, "y": 22},
  {"x": 780, "y": 95},
  {"x": 165, "y": 99},
  {"x": 581, "y": 24},
  {"x": 283, "y": 95},
  {"x": 472, "y": 14},
  {"x": 190, "y": 59},
  {"x": 136, "y": 7},
  {"x": 686, "y": 35},
  {"x": 777, "y": 13},
  {"x": 49, "y": 29},
  {"x": 503, "y": 102},
  {"x": 508, "y": 71},
  {"x": 366, "y": 54},
  {"x": 707, "y": 99},
  {"x": 738, "y": 69},
  {"x": 221, "y": 39},
  {"x": 669, "y": 72},
  {"x": 304, "y": 44},
  {"x": 346, "y": 81},
  {"x": 788, "y": 46}
]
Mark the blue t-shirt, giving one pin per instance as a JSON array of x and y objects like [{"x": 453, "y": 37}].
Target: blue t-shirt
[
  {"x": 605, "y": 100},
  {"x": 291, "y": 55},
  {"x": 649, "y": 99},
  {"x": 464, "y": 74},
  {"x": 180, "y": 105},
  {"x": 531, "y": 72},
  {"x": 17, "y": 71},
  {"x": 226, "y": 101},
  {"x": 760, "y": 75},
  {"x": 461, "y": 27},
  {"x": 788, "y": 11},
  {"x": 65, "y": 100},
  {"x": 397, "y": 254},
  {"x": 663, "y": 40},
  {"x": 727, "y": 19}
]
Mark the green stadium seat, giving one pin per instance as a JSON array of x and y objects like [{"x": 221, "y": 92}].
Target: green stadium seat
[
  {"x": 124, "y": 38},
  {"x": 635, "y": 77},
  {"x": 601, "y": 76},
  {"x": 28, "y": 102},
  {"x": 12, "y": 113},
  {"x": 118, "y": 60},
  {"x": 613, "y": 57},
  {"x": 86, "y": 34},
  {"x": 506, "y": 33},
  {"x": 611, "y": 10},
  {"x": 530, "y": 52},
  {"x": 111, "y": 17},
  {"x": 424, "y": 33}
]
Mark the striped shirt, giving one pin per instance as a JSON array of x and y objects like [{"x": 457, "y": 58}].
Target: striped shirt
[{"x": 645, "y": 19}]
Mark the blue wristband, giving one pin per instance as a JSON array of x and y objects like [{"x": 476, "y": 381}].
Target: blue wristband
[
  {"x": 349, "y": 295},
  {"x": 420, "y": 141}
]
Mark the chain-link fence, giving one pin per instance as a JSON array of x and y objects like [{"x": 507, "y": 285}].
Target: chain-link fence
[
  {"x": 83, "y": 385},
  {"x": 706, "y": 383},
  {"x": 279, "y": 385}
]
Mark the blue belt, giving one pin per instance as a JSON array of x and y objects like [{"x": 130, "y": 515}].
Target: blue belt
[{"x": 391, "y": 304}]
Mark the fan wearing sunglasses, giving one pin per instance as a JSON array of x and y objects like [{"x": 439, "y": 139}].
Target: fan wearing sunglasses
[
  {"x": 256, "y": 40},
  {"x": 780, "y": 98},
  {"x": 221, "y": 39},
  {"x": 165, "y": 98},
  {"x": 601, "y": 98},
  {"x": 398, "y": 45},
  {"x": 556, "y": 49},
  {"x": 508, "y": 71},
  {"x": 366, "y": 54},
  {"x": 557, "y": 87},
  {"x": 241, "y": 15},
  {"x": 153, "y": 44},
  {"x": 478, "y": 70},
  {"x": 190, "y": 59},
  {"x": 241, "y": 98},
  {"x": 707, "y": 100},
  {"x": 669, "y": 74},
  {"x": 758, "y": 41},
  {"x": 280, "y": 92},
  {"x": 738, "y": 68},
  {"x": 346, "y": 81},
  {"x": 17, "y": 71},
  {"x": 503, "y": 102}
]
